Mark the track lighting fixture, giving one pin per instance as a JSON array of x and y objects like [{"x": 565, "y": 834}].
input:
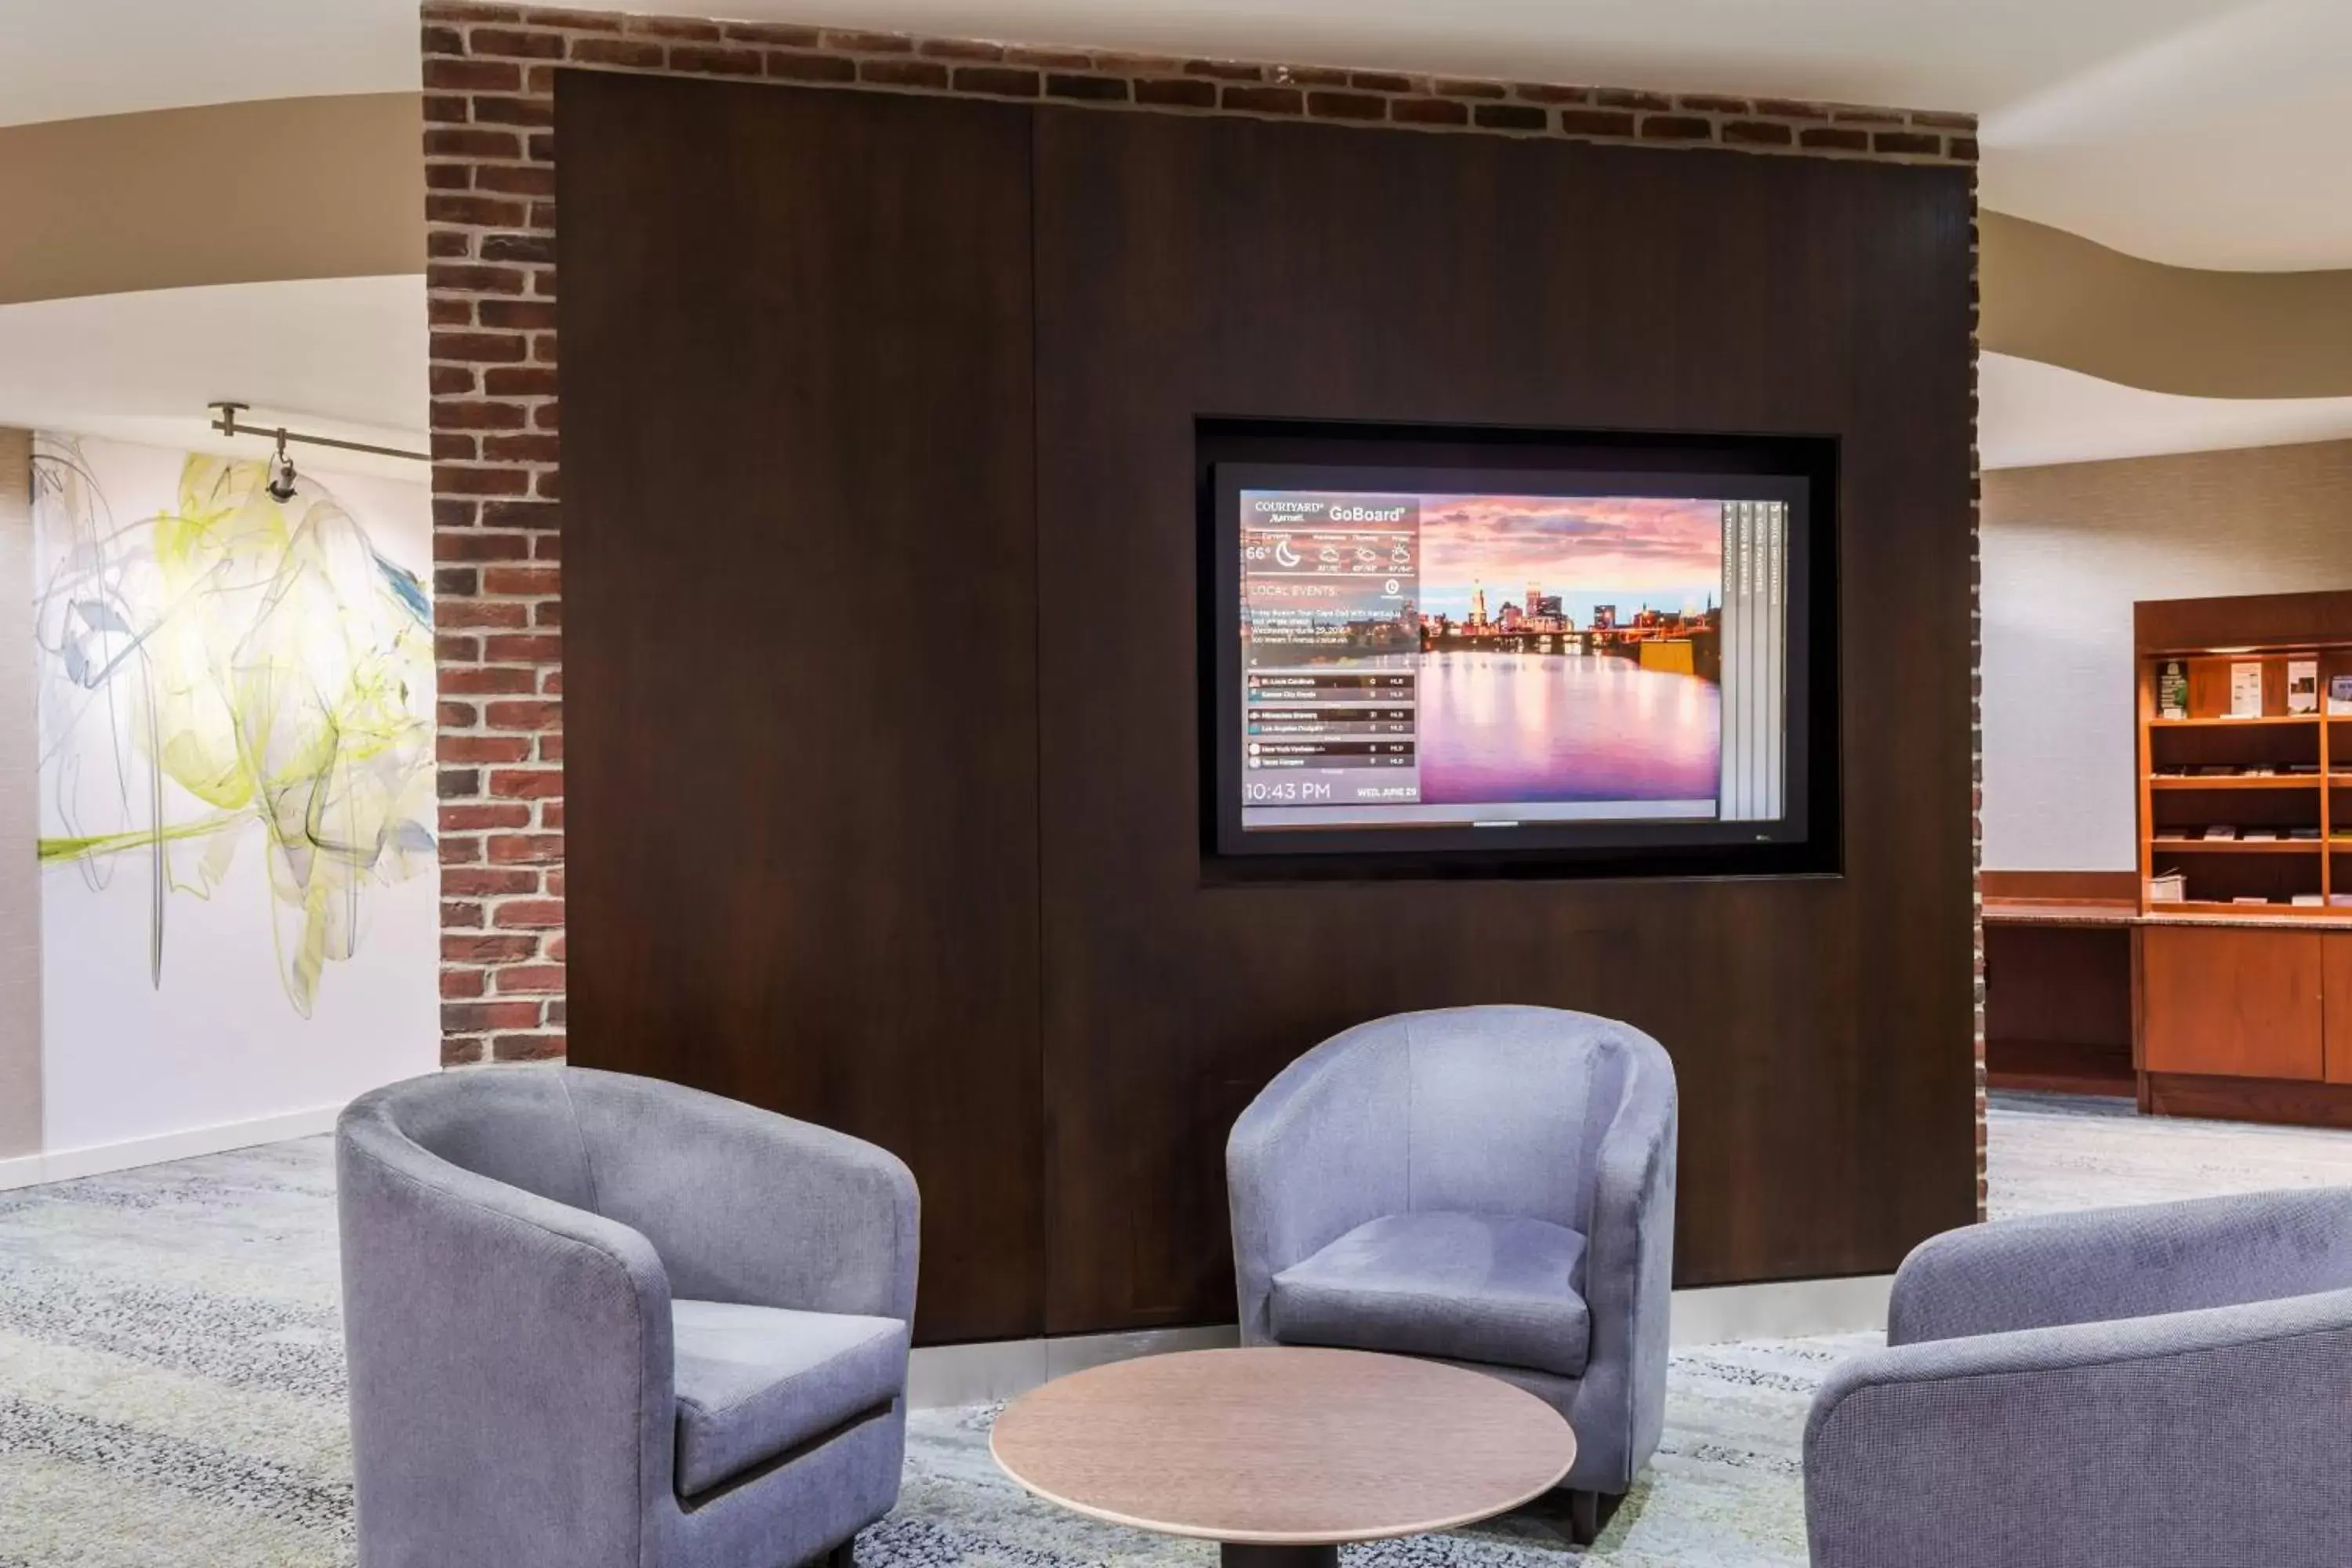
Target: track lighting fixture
[{"x": 281, "y": 466}]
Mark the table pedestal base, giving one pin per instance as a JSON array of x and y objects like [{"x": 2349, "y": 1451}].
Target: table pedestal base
[{"x": 1239, "y": 1554}]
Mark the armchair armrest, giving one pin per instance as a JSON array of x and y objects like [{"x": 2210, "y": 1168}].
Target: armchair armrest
[
  {"x": 1629, "y": 1281},
  {"x": 2161, "y": 1441},
  {"x": 2103, "y": 1264},
  {"x": 1319, "y": 1151},
  {"x": 743, "y": 1205},
  {"x": 575, "y": 1385}
]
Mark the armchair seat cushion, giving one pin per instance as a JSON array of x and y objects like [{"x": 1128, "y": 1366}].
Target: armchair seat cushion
[
  {"x": 1497, "y": 1289},
  {"x": 755, "y": 1382}
]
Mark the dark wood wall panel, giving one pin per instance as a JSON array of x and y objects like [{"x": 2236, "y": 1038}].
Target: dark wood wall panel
[
  {"x": 1821, "y": 1028},
  {"x": 800, "y": 582},
  {"x": 881, "y": 607}
]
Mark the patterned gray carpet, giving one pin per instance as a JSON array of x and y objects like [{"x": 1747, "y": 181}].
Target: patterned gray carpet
[{"x": 170, "y": 1379}]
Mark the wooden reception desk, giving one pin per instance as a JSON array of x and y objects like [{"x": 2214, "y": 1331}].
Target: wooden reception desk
[{"x": 2193, "y": 1014}]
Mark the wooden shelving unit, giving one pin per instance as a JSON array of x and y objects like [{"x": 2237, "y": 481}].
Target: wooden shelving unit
[
  {"x": 2243, "y": 997},
  {"x": 2179, "y": 802},
  {"x": 2241, "y": 847},
  {"x": 2292, "y": 780}
]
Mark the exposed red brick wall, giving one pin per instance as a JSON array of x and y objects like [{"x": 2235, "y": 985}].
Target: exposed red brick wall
[
  {"x": 1975, "y": 699},
  {"x": 489, "y": 164}
]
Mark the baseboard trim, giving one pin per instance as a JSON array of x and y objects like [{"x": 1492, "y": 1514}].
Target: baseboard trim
[
  {"x": 99, "y": 1159},
  {"x": 943, "y": 1375},
  {"x": 1780, "y": 1309}
]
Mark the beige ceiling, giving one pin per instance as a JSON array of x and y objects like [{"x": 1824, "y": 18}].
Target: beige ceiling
[
  {"x": 2199, "y": 132},
  {"x": 233, "y": 193},
  {"x": 2060, "y": 298},
  {"x": 2221, "y": 145}
]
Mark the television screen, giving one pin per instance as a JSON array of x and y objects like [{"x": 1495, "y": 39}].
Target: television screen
[{"x": 1482, "y": 660}]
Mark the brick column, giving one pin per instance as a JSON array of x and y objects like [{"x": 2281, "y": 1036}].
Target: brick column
[{"x": 498, "y": 605}]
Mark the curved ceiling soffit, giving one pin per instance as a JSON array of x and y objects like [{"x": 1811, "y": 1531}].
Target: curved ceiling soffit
[
  {"x": 2062, "y": 299},
  {"x": 333, "y": 187},
  {"x": 235, "y": 193}
]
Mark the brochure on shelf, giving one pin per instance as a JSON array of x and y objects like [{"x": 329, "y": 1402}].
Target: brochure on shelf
[
  {"x": 2172, "y": 692},
  {"x": 2246, "y": 689},
  {"x": 2302, "y": 686}
]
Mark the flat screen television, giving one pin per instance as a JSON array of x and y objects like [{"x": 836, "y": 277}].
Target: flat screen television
[{"x": 1519, "y": 667}]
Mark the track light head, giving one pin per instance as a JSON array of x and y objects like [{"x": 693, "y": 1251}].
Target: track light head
[{"x": 282, "y": 473}]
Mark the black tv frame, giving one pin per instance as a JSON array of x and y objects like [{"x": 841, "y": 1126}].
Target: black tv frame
[{"x": 1232, "y": 454}]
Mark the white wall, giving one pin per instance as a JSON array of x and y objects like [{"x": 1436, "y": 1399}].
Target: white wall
[
  {"x": 133, "y": 1059},
  {"x": 2067, "y": 549},
  {"x": 20, "y": 883}
]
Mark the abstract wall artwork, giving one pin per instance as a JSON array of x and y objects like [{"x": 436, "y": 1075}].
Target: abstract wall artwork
[{"x": 236, "y": 764}]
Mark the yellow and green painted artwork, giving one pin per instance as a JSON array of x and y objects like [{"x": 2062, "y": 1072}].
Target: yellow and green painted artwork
[{"x": 232, "y": 663}]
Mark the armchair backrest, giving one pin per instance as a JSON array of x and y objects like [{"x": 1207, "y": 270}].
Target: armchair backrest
[
  {"x": 2142, "y": 1261},
  {"x": 747, "y": 1205},
  {"x": 516, "y": 1127},
  {"x": 1499, "y": 1109}
]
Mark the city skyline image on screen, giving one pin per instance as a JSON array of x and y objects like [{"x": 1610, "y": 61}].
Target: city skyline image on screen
[{"x": 1440, "y": 660}]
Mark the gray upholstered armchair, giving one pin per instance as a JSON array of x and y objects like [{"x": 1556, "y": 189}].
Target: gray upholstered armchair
[
  {"x": 2152, "y": 1387},
  {"x": 1492, "y": 1186},
  {"x": 600, "y": 1321}
]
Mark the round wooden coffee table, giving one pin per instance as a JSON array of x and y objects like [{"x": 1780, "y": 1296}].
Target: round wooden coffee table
[{"x": 1281, "y": 1453}]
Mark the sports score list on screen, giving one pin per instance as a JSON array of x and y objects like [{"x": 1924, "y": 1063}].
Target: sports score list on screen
[{"x": 1490, "y": 660}]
